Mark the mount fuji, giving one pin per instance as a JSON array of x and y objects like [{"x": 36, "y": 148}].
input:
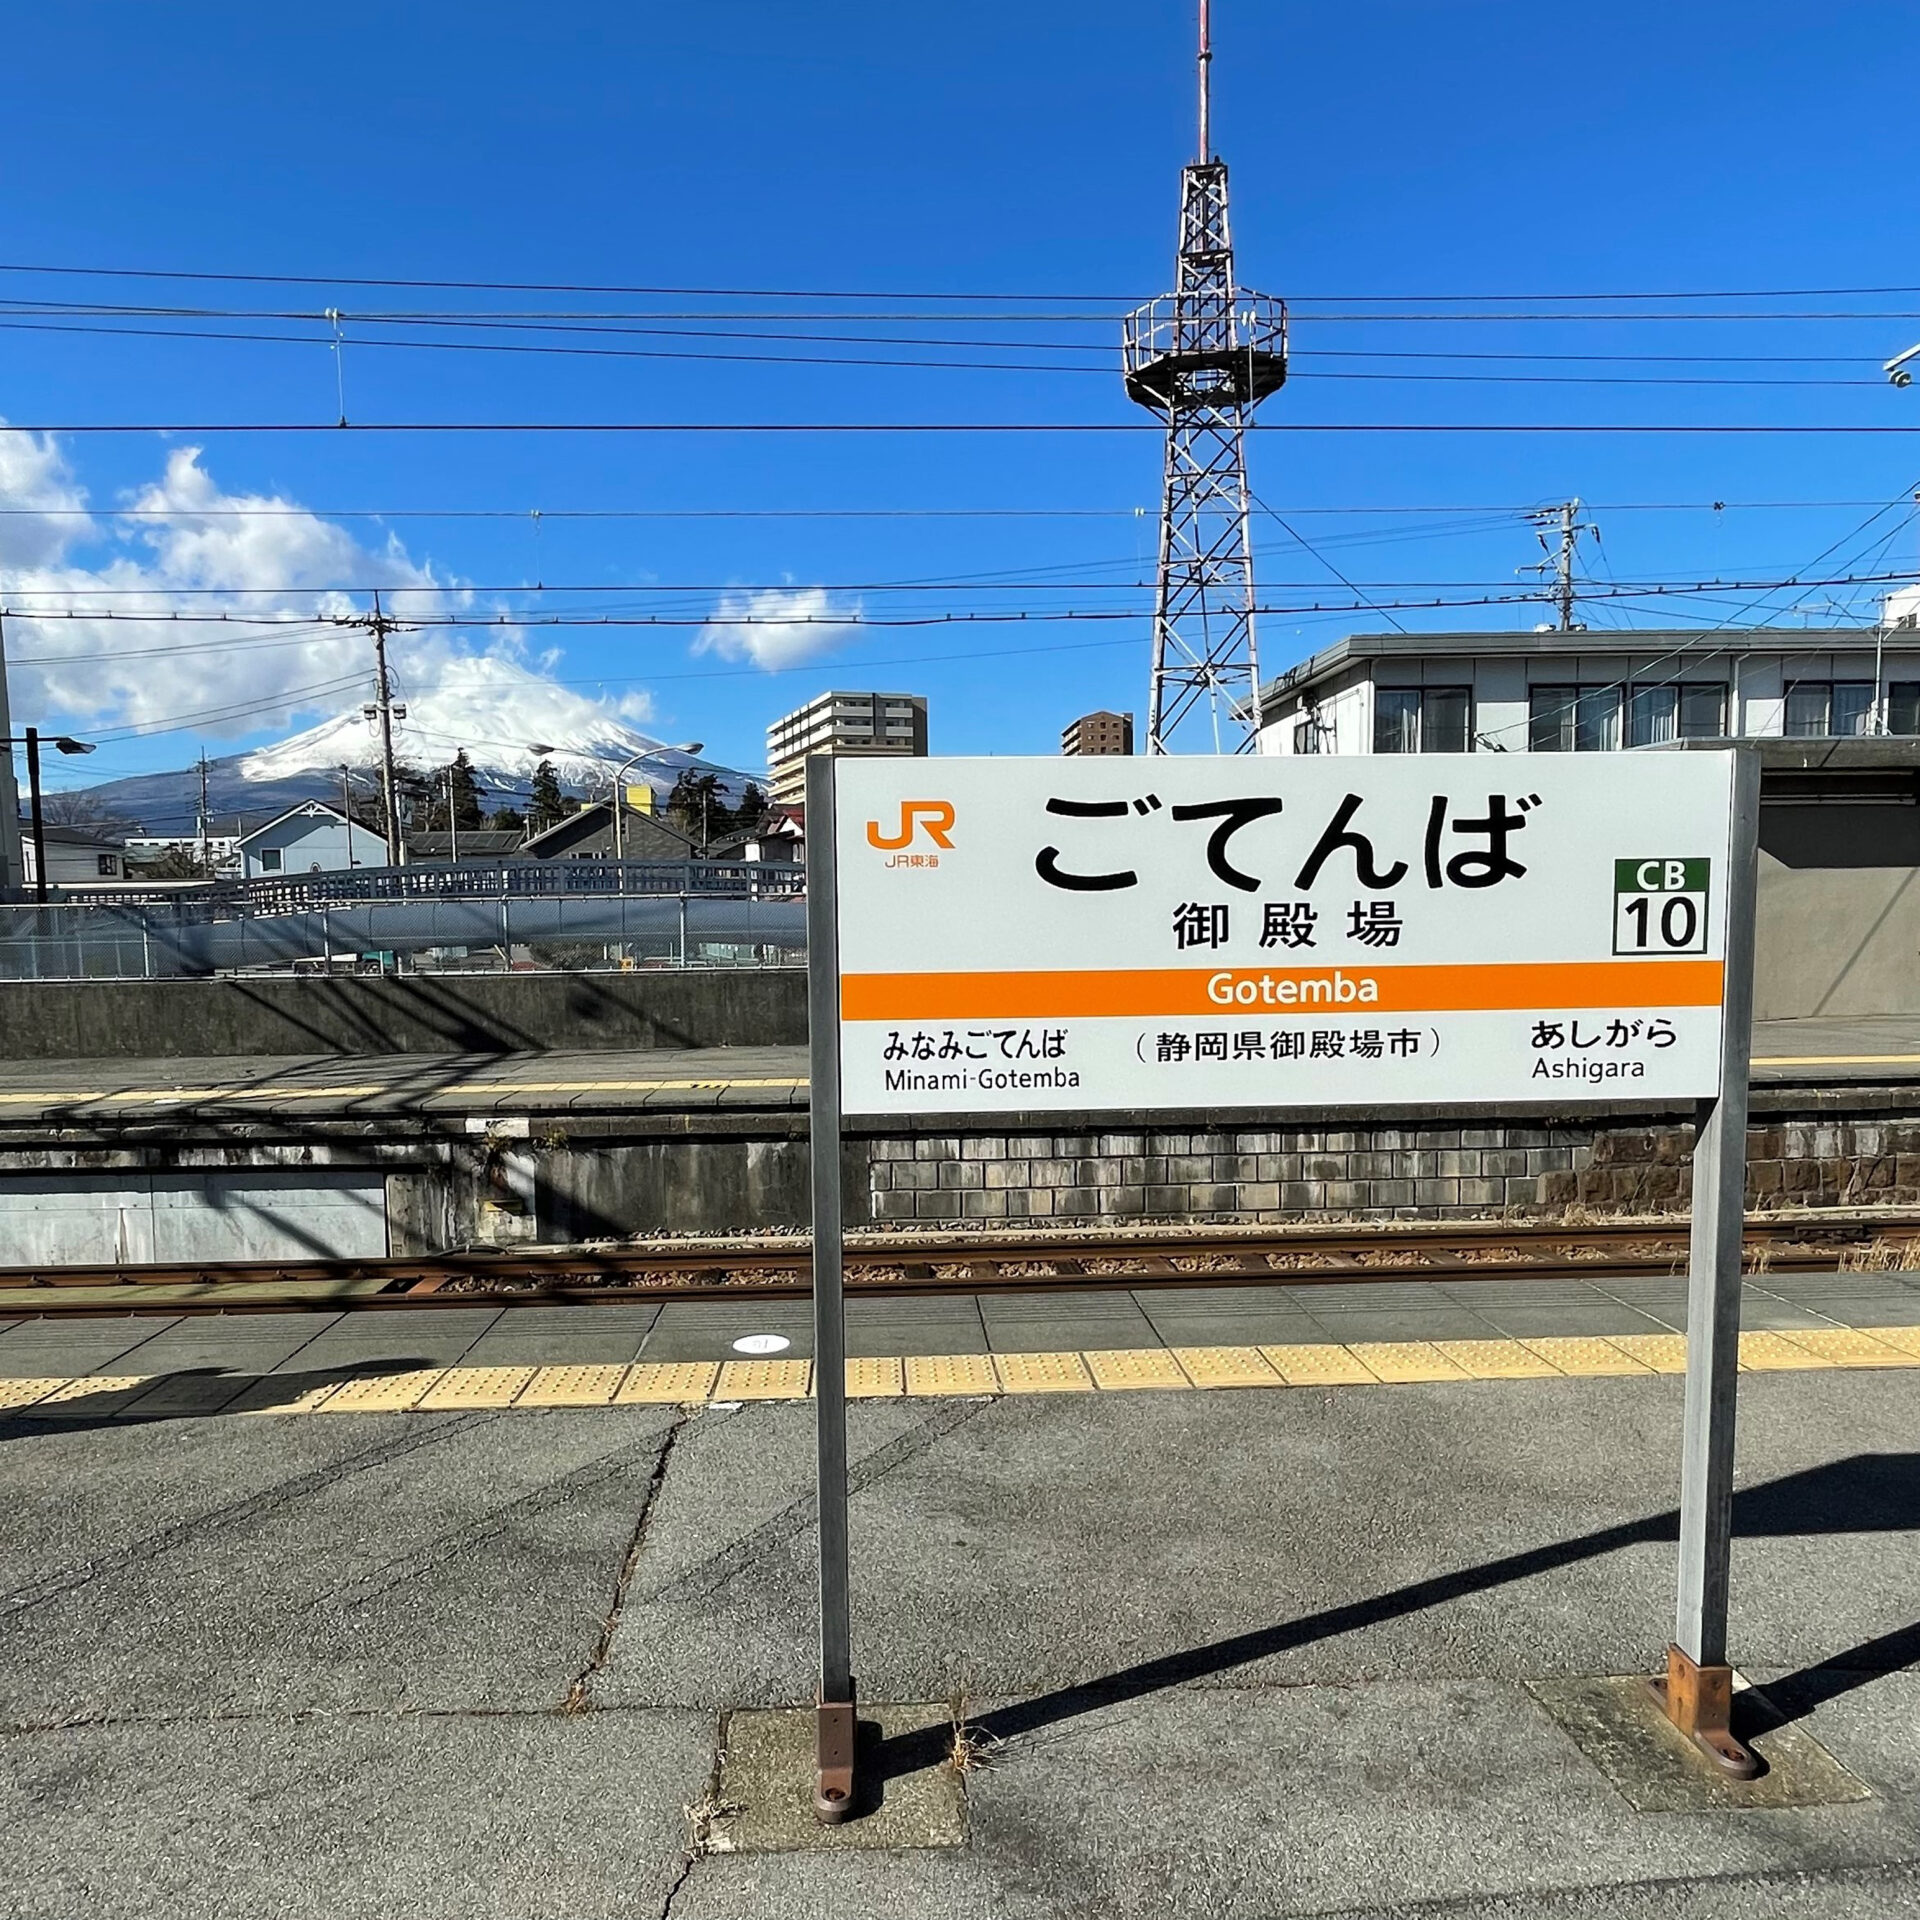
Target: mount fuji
[{"x": 507, "y": 717}]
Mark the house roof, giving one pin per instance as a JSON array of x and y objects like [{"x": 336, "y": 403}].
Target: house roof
[
  {"x": 591, "y": 819},
  {"x": 313, "y": 809},
  {"x": 73, "y": 837},
  {"x": 476, "y": 842}
]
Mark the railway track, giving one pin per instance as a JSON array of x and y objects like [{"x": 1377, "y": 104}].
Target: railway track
[{"x": 898, "y": 1265}]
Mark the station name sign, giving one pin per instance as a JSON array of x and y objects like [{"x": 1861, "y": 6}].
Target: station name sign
[{"x": 1180, "y": 932}]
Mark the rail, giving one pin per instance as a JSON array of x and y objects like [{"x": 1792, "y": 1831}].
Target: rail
[{"x": 887, "y": 1264}]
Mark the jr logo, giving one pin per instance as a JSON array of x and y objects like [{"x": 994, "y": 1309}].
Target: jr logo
[{"x": 934, "y": 817}]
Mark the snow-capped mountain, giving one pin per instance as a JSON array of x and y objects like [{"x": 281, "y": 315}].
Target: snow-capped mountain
[{"x": 507, "y": 717}]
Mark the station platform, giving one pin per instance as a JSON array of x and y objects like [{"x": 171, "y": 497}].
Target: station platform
[
  {"x": 714, "y": 1350},
  {"x": 659, "y": 1080},
  {"x": 1357, "y": 1649}
]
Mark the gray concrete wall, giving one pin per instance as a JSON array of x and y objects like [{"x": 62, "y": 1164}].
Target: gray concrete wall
[
  {"x": 413, "y": 1013},
  {"x": 1838, "y": 940}
]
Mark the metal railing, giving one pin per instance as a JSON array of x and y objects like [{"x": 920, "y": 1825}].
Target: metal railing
[{"x": 477, "y": 880}]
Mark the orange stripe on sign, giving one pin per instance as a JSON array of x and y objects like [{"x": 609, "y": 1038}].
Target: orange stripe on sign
[{"x": 1165, "y": 993}]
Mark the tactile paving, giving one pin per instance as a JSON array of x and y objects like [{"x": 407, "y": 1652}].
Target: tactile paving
[
  {"x": 1118, "y": 1368},
  {"x": 578, "y": 1386},
  {"x": 463, "y": 1387},
  {"x": 96, "y": 1393},
  {"x": 274, "y": 1394},
  {"x": 23, "y": 1393},
  {"x": 1226, "y": 1367},
  {"x": 950, "y": 1373},
  {"x": 1907, "y": 1339},
  {"x": 1042, "y": 1373},
  {"x": 1848, "y": 1347},
  {"x": 1497, "y": 1360},
  {"x": 876, "y": 1379},
  {"x": 382, "y": 1393},
  {"x": 1319, "y": 1365},
  {"x": 1400, "y": 1362},
  {"x": 661, "y": 1383},
  {"x": 1587, "y": 1359},
  {"x": 1773, "y": 1353},
  {"x": 764, "y": 1380},
  {"x": 1663, "y": 1352}
]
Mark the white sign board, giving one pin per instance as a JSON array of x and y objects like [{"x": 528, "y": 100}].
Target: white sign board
[{"x": 1180, "y": 932}]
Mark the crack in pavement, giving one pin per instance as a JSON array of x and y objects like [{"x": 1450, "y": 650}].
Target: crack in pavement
[
  {"x": 703, "y": 1581},
  {"x": 700, "y": 1818},
  {"x": 579, "y": 1696},
  {"x": 283, "y": 1493},
  {"x": 444, "y": 1547}
]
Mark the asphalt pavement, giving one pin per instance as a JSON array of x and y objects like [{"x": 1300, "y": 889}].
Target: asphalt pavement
[{"x": 1223, "y": 1653}]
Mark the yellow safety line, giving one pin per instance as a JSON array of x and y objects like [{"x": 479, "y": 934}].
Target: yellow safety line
[
  {"x": 1838, "y": 1060},
  {"x": 1098, "y": 1370},
  {"x": 462, "y": 1091}
]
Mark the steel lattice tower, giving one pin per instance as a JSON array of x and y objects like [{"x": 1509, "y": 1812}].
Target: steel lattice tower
[{"x": 1201, "y": 358}]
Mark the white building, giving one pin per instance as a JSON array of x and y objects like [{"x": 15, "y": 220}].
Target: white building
[
  {"x": 1592, "y": 691},
  {"x": 841, "y": 723},
  {"x": 312, "y": 838},
  {"x": 74, "y": 857}
]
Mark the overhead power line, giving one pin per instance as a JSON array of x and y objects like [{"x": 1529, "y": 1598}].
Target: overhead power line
[
  {"x": 1511, "y": 509},
  {"x": 207, "y": 277},
  {"x": 890, "y": 427},
  {"x": 368, "y": 343}
]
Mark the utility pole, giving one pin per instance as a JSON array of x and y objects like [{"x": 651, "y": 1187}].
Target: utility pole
[
  {"x": 377, "y": 624},
  {"x": 205, "y": 861},
  {"x": 13, "y": 872},
  {"x": 39, "y": 820},
  {"x": 1561, "y": 555}
]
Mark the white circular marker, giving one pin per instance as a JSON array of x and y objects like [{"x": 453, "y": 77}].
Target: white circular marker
[{"x": 762, "y": 1343}]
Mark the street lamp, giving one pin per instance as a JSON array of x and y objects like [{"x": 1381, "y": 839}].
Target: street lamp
[
  {"x": 65, "y": 743},
  {"x": 620, "y": 789},
  {"x": 347, "y": 777}
]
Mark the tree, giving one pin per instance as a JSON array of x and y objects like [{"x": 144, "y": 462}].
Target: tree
[
  {"x": 698, "y": 805},
  {"x": 507, "y": 820},
  {"x": 457, "y": 775},
  {"x": 177, "y": 863},
  {"x": 547, "y": 806},
  {"x": 83, "y": 811},
  {"x": 754, "y": 806}
]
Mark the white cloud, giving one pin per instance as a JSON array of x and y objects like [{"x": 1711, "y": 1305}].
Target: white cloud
[
  {"x": 184, "y": 545},
  {"x": 789, "y": 626}
]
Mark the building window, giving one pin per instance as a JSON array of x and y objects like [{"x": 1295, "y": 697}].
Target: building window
[
  {"x": 1570, "y": 719},
  {"x": 109, "y": 865},
  {"x": 271, "y": 859},
  {"x": 1829, "y": 709},
  {"x": 1692, "y": 711},
  {"x": 1703, "y": 711},
  {"x": 1903, "y": 706},
  {"x": 1306, "y": 736},
  {"x": 1422, "y": 719}
]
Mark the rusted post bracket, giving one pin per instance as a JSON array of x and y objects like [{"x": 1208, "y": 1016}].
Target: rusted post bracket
[
  {"x": 1699, "y": 1701},
  {"x": 833, "y": 1762}
]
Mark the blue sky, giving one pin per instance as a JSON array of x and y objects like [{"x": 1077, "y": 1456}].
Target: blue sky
[{"x": 1377, "y": 149}]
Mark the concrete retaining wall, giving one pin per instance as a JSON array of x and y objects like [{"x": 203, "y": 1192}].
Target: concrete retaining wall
[
  {"x": 411, "y": 1013},
  {"x": 746, "y": 1171}
]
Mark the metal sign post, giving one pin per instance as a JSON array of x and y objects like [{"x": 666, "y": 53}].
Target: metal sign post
[
  {"x": 1697, "y": 1690},
  {"x": 834, "y": 1732},
  {"x": 1023, "y": 936}
]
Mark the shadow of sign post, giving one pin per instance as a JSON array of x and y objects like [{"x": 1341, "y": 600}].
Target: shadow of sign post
[{"x": 1098, "y": 936}]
